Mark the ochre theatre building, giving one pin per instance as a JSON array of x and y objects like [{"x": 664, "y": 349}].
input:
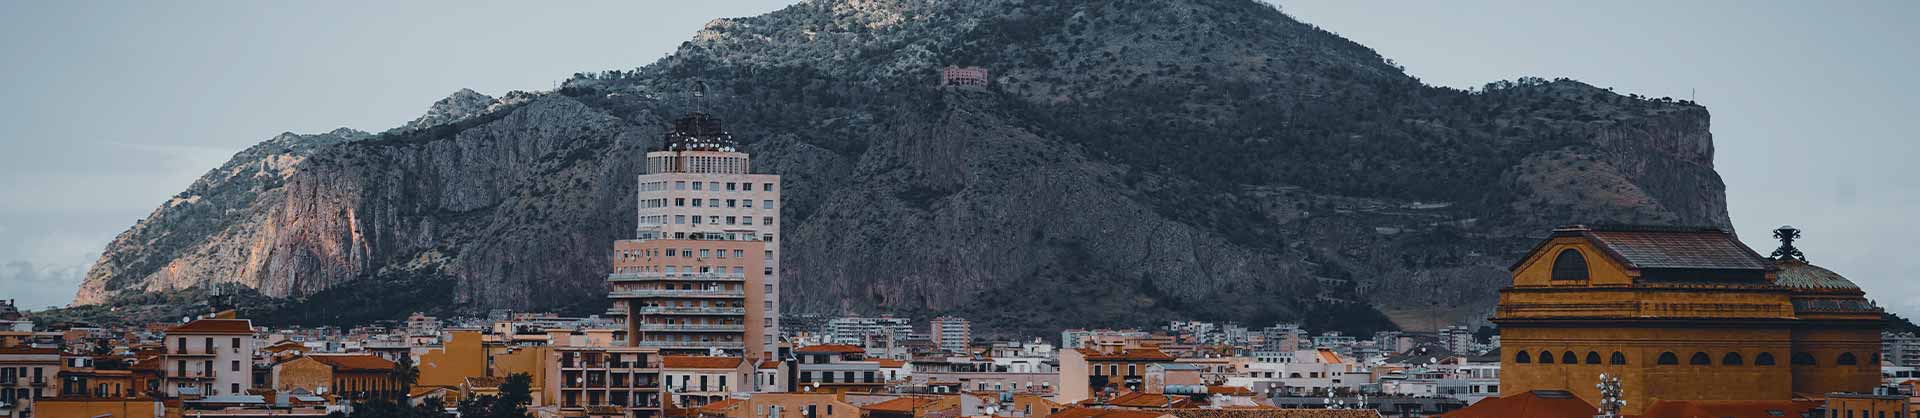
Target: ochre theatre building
[{"x": 1682, "y": 314}]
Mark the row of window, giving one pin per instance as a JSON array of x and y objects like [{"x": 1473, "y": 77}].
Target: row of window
[
  {"x": 1697, "y": 359},
  {"x": 718, "y": 186},
  {"x": 681, "y": 202},
  {"x": 708, "y": 220},
  {"x": 847, "y": 376}
]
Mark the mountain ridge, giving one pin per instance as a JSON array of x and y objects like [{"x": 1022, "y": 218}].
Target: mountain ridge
[{"x": 1133, "y": 161}]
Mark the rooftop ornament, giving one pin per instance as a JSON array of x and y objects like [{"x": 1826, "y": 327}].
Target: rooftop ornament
[{"x": 1786, "y": 234}]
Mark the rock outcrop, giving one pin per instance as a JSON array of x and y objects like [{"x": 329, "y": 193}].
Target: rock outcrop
[{"x": 1134, "y": 161}]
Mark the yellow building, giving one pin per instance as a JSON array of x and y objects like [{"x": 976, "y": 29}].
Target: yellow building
[{"x": 1682, "y": 314}]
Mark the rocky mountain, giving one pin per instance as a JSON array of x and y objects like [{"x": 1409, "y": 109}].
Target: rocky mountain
[{"x": 1134, "y": 161}]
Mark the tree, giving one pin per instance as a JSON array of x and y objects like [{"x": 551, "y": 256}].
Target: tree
[{"x": 512, "y": 402}]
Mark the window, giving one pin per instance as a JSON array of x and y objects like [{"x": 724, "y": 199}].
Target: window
[
  {"x": 1700, "y": 359},
  {"x": 1617, "y": 358},
  {"x": 1522, "y": 358},
  {"x": 1732, "y": 359},
  {"x": 679, "y": 185},
  {"x": 766, "y": 186},
  {"x": 1804, "y": 359},
  {"x": 767, "y": 220},
  {"x": 1764, "y": 359},
  {"x": 1847, "y": 359},
  {"x": 1569, "y": 265},
  {"x": 1546, "y": 358},
  {"x": 731, "y": 186},
  {"x": 236, "y": 365},
  {"x": 696, "y": 186},
  {"x": 236, "y": 344},
  {"x": 1593, "y": 357},
  {"x": 731, "y": 203},
  {"x": 1668, "y": 359},
  {"x": 746, "y": 187},
  {"x": 1568, "y": 358}
]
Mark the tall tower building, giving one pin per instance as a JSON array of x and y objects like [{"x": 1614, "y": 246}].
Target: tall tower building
[{"x": 702, "y": 270}]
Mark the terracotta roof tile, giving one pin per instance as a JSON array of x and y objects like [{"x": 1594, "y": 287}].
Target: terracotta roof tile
[
  {"x": 887, "y": 362},
  {"x": 1729, "y": 409},
  {"x": 1083, "y": 412},
  {"x": 721, "y": 407},
  {"x": 1532, "y": 404},
  {"x": 699, "y": 362},
  {"x": 902, "y": 404},
  {"x": 769, "y": 364},
  {"x": 1143, "y": 354},
  {"x": 214, "y": 326}
]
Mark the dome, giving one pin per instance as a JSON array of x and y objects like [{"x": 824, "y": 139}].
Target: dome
[{"x": 1798, "y": 274}]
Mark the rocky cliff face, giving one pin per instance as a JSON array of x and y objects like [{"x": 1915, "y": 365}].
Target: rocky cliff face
[{"x": 1134, "y": 161}]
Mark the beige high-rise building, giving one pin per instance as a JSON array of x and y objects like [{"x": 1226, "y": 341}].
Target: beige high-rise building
[{"x": 702, "y": 271}]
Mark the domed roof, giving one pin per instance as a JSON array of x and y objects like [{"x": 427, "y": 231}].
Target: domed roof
[{"x": 1798, "y": 274}]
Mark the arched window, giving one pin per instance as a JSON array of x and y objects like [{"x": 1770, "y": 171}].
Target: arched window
[
  {"x": 1617, "y": 358},
  {"x": 1668, "y": 359},
  {"x": 1732, "y": 359},
  {"x": 1522, "y": 358},
  {"x": 1546, "y": 357},
  {"x": 1764, "y": 359},
  {"x": 1700, "y": 359},
  {"x": 1569, "y": 265},
  {"x": 1803, "y": 359},
  {"x": 1593, "y": 357},
  {"x": 1569, "y": 358},
  {"x": 1847, "y": 359}
]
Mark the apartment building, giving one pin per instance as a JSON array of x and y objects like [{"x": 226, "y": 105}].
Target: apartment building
[
  {"x": 606, "y": 381},
  {"x": 857, "y": 330},
  {"x": 27, "y": 375},
  {"x": 952, "y": 334},
  {"x": 208, "y": 357},
  {"x": 1089, "y": 372},
  {"x": 836, "y": 368},
  {"x": 695, "y": 381},
  {"x": 703, "y": 270}
]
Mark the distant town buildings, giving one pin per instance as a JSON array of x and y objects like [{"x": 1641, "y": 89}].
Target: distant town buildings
[{"x": 858, "y": 330}]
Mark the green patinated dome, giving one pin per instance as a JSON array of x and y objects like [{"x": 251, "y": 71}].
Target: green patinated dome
[{"x": 1800, "y": 275}]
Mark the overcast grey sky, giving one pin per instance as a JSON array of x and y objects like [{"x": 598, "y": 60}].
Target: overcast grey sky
[{"x": 110, "y": 107}]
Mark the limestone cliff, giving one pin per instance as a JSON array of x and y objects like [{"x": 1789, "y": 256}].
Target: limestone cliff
[{"x": 1134, "y": 161}]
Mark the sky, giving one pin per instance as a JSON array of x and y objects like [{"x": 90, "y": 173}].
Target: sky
[{"x": 110, "y": 107}]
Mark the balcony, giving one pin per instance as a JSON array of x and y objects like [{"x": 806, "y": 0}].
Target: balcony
[
  {"x": 677, "y": 293},
  {"x": 657, "y": 276},
  {"x": 9, "y": 381},
  {"x": 39, "y": 382},
  {"x": 687, "y": 310},
  {"x": 694, "y": 327},
  {"x": 691, "y": 344}
]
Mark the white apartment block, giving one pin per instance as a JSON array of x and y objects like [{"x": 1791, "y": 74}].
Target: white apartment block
[
  {"x": 208, "y": 357},
  {"x": 854, "y": 330}
]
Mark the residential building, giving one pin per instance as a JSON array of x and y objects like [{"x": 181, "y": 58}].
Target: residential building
[
  {"x": 952, "y": 334},
  {"x": 784, "y": 405},
  {"x": 208, "y": 357},
  {"x": 354, "y": 377},
  {"x": 1089, "y": 372},
  {"x": 80, "y": 379},
  {"x": 1682, "y": 314},
  {"x": 695, "y": 381},
  {"x": 606, "y": 381},
  {"x": 835, "y": 368},
  {"x": 855, "y": 330},
  {"x": 702, "y": 271},
  {"x": 1900, "y": 348},
  {"x": 28, "y": 375}
]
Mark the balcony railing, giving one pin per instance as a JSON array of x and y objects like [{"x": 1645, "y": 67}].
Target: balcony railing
[
  {"x": 688, "y": 310},
  {"x": 691, "y": 344},
  {"x": 693, "y": 327},
  {"x": 678, "y": 293},
  {"x": 652, "y": 276}
]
